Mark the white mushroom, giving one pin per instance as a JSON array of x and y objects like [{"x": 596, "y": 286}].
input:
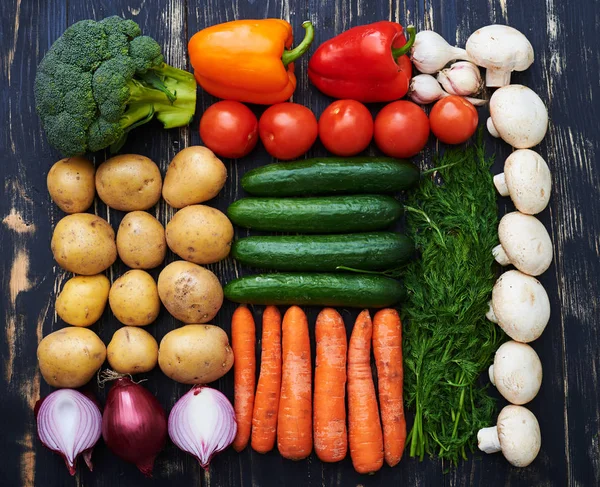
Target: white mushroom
[
  {"x": 516, "y": 372},
  {"x": 520, "y": 306},
  {"x": 526, "y": 178},
  {"x": 516, "y": 435},
  {"x": 518, "y": 116},
  {"x": 501, "y": 50},
  {"x": 524, "y": 243}
]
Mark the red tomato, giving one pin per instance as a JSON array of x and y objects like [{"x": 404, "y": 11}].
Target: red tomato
[
  {"x": 401, "y": 129},
  {"x": 346, "y": 127},
  {"x": 287, "y": 130},
  {"x": 229, "y": 129},
  {"x": 453, "y": 119}
]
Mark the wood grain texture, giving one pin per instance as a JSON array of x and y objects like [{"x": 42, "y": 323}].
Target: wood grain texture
[{"x": 565, "y": 74}]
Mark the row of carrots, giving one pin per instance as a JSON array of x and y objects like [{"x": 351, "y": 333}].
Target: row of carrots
[{"x": 282, "y": 406}]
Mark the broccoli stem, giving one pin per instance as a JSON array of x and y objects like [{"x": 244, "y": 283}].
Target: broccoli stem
[{"x": 171, "y": 96}]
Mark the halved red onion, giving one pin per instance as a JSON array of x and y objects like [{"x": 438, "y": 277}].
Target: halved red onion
[
  {"x": 202, "y": 423},
  {"x": 69, "y": 423}
]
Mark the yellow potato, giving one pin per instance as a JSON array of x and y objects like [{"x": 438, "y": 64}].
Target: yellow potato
[
  {"x": 195, "y": 175},
  {"x": 195, "y": 354},
  {"x": 84, "y": 244},
  {"x": 132, "y": 350},
  {"x": 71, "y": 184},
  {"x": 134, "y": 298},
  {"x": 129, "y": 182},
  {"x": 70, "y": 357},
  {"x": 141, "y": 241},
  {"x": 83, "y": 299},
  {"x": 200, "y": 234},
  {"x": 191, "y": 293}
]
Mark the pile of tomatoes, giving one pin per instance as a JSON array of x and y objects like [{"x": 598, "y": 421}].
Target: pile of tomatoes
[{"x": 346, "y": 127}]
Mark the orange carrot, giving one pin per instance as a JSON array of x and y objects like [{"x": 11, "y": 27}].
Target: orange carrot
[
  {"x": 266, "y": 402},
  {"x": 331, "y": 437},
  {"x": 387, "y": 348},
  {"x": 366, "y": 437},
  {"x": 294, "y": 422},
  {"x": 243, "y": 341}
]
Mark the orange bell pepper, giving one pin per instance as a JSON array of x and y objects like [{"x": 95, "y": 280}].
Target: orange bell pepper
[{"x": 248, "y": 60}]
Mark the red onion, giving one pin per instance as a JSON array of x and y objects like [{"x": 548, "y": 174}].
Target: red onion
[
  {"x": 70, "y": 424},
  {"x": 202, "y": 423},
  {"x": 134, "y": 424}
]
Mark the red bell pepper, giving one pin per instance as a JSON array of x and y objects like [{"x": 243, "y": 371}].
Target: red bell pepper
[{"x": 366, "y": 63}]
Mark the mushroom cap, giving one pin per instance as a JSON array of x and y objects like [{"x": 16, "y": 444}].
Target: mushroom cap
[
  {"x": 519, "y": 435},
  {"x": 500, "y": 47},
  {"x": 517, "y": 372},
  {"x": 519, "y": 116},
  {"x": 526, "y": 242},
  {"x": 529, "y": 181},
  {"x": 521, "y": 306}
]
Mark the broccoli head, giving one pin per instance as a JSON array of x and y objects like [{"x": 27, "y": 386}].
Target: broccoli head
[{"x": 101, "y": 79}]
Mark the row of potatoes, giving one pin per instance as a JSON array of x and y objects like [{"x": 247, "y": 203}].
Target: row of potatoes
[{"x": 85, "y": 244}]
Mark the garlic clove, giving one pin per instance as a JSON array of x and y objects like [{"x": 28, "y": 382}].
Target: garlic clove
[{"x": 462, "y": 78}]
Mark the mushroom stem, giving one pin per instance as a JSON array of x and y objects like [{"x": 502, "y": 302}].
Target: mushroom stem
[
  {"x": 491, "y": 315},
  {"x": 500, "y": 255},
  {"x": 500, "y": 183},
  {"x": 492, "y": 128},
  {"x": 495, "y": 78},
  {"x": 491, "y": 374},
  {"x": 488, "y": 441}
]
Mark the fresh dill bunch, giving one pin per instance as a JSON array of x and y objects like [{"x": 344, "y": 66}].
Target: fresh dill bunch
[{"x": 448, "y": 342}]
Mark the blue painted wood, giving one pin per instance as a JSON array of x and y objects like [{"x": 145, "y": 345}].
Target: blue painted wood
[{"x": 565, "y": 74}]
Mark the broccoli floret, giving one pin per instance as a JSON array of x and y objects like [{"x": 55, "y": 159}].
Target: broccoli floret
[
  {"x": 146, "y": 53},
  {"x": 102, "y": 79}
]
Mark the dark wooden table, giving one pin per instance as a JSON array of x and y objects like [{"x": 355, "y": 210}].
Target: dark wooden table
[{"x": 565, "y": 74}]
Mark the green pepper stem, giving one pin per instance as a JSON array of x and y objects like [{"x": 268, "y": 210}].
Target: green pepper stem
[
  {"x": 401, "y": 51},
  {"x": 293, "y": 54}
]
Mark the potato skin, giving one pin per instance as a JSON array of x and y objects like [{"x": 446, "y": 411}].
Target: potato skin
[
  {"x": 83, "y": 299},
  {"x": 70, "y": 357},
  {"x": 132, "y": 350},
  {"x": 141, "y": 241},
  {"x": 129, "y": 182},
  {"x": 195, "y": 354},
  {"x": 195, "y": 175},
  {"x": 200, "y": 234},
  {"x": 134, "y": 299},
  {"x": 191, "y": 293},
  {"x": 84, "y": 244},
  {"x": 71, "y": 184}
]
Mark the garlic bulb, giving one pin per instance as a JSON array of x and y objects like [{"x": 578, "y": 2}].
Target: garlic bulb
[
  {"x": 425, "y": 89},
  {"x": 431, "y": 52},
  {"x": 462, "y": 78}
]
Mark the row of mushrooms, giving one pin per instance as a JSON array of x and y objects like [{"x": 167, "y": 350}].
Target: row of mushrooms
[{"x": 519, "y": 304}]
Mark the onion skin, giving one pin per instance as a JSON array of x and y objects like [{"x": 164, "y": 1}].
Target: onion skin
[
  {"x": 56, "y": 438},
  {"x": 190, "y": 425},
  {"x": 134, "y": 424}
]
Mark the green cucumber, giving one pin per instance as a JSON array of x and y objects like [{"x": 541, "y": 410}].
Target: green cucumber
[
  {"x": 331, "y": 175},
  {"x": 324, "y": 253},
  {"x": 332, "y": 214},
  {"x": 344, "y": 290}
]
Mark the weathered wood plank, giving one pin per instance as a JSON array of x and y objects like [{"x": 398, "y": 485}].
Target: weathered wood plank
[
  {"x": 569, "y": 77},
  {"x": 26, "y": 267}
]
